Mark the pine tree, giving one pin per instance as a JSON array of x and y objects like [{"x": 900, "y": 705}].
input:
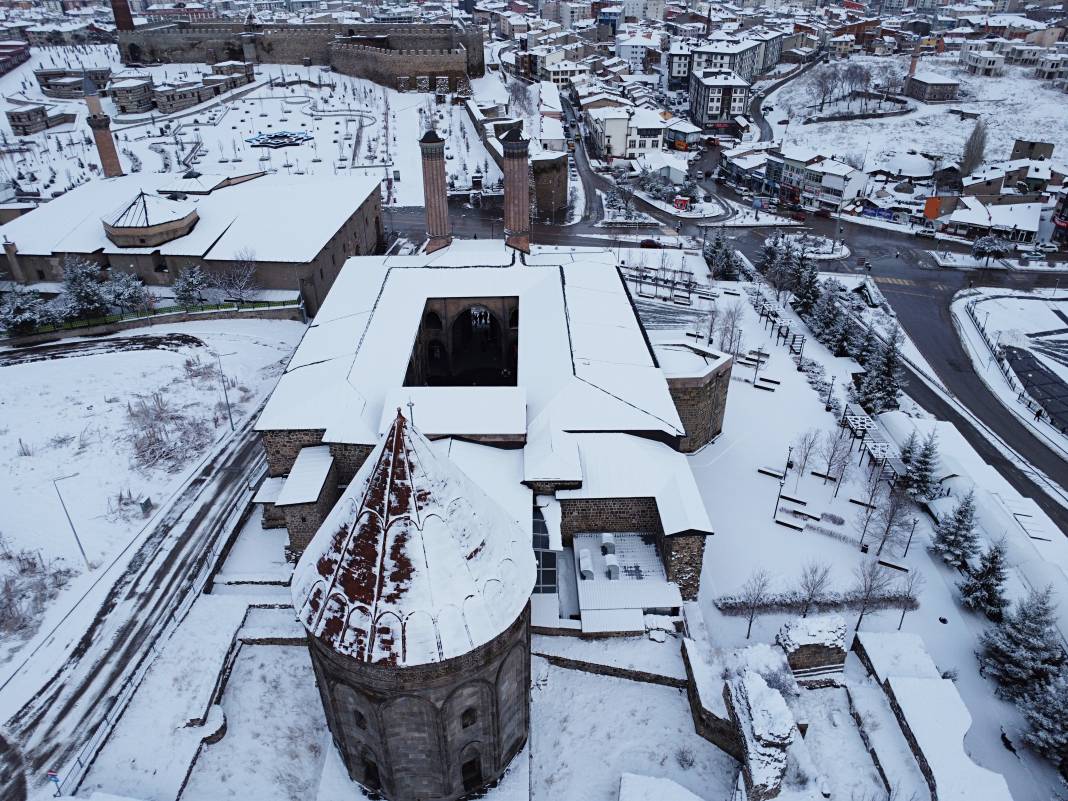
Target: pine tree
[
  {"x": 807, "y": 288},
  {"x": 1046, "y": 709},
  {"x": 84, "y": 294},
  {"x": 921, "y": 481},
  {"x": 1022, "y": 653},
  {"x": 126, "y": 291},
  {"x": 22, "y": 310},
  {"x": 866, "y": 347},
  {"x": 955, "y": 537},
  {"x": 190, "y": 287},
  {"x": 842, "y": 336},
  {"x": 770, "y": 255},
  {"x": 983, "y": 589},
  {"x": 881, "y": 383},
  {"x": 825, "y": 315},
  {"x": 908, "y": 450}
]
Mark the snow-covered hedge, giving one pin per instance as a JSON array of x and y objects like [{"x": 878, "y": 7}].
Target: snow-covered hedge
[{"x": 794, "y": 601}]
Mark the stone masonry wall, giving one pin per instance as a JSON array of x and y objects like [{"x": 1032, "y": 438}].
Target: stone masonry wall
[
  {"x": 721, "y": 732},
  {"x": 910, "y": 738},
  {"x": 579, "y": 515},
  {"x": 388, "y": 66},
  {"x": 348, "y": 459},
  {"x": 701, "y": 405},
  {"x": 683, "y": 556},
  {"x": 811, "y": 656},
  {"x": 282, "y": 447},
  {"x": 415, "y": 727},
  {"x": 304, "y": 519}
]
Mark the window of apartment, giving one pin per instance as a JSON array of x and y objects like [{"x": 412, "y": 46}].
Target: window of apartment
[{"x": 632, "y": 143}]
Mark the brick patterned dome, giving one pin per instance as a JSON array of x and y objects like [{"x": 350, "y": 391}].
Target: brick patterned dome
[{"x": 415, "y": 564}]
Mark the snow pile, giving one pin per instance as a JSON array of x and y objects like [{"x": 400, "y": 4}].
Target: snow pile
[
  {"x": 825, "y": 630},
  {"x": 767, "y": 728},
  {"x": 633, "y": 787}
]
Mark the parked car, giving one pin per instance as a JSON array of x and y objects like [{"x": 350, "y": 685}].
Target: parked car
[
  {"x": 927, "y": 232},
  {"x": 822, "y": 212},
  {"x": 1047, "y": 247},
  {"x": 651, "y": 244},
  {"x": 800, "y": 216}
]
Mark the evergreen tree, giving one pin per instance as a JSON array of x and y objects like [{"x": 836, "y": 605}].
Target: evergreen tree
[
  {"x": 983, "y": 589},
  {"x": 825, "y": 315},
  {"x": 866, "y": 347},
  {"x": 921, "y": 481},
  {"x": 955, "y": 537},
  {"x": 84, "y": 294},
  {"x": 1046, "y": 709},
  {"x": 770, "y": 254},
  {"x": 22, "y": 310},
  {"x": 1023, "y": 653},
  {"x": 842, "y": 336},
  {"x": 190, "y": 287},
  {"x": 908, "y": 450},
  {"x": 807, "y": 286},
  {"x": 126, "y": 291},
  {"x": 881, "y": 383}
]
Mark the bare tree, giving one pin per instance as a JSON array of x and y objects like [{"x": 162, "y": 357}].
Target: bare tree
[
  {"x": 729, "y": 323},
  {"x": 974, "y": 149},
  {"x": 872, "y": 581},
  {"x": 834, "y": 450},
  {"x": 815, "y": 577},
  {"x": 754, "y": 596},
  {"x": 892, "y": 518},
  {"x": 867, "y": 512},
  {"x": 804, "y": 447},
  {"x": 238, "y": 283},
  {"x": 909, "y": 590}
]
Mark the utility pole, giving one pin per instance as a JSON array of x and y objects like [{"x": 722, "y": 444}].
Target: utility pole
[{"x": 78, "y": 542}]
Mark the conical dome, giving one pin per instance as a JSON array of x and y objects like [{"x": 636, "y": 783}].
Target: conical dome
[{"x": 415, "y": 564}]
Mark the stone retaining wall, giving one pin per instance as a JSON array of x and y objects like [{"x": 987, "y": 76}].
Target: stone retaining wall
[
  {"x": 349, "y": 459},
  {"x": 721, "y": 732},
  {"x": 701, "y": 403},
  {"x": 611, "y": 670}
]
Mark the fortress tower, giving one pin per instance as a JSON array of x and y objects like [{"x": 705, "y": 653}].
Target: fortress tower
[
  {"x": 435, "y": 194},
  {"x": 516, "y": 190},
  {"x": 100, "y": 124}
]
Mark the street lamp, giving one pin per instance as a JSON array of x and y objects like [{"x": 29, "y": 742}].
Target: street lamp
[
  {"x": 226, "y": 395},
  {"x": 78, "y": 542},
  {"x": 911, "y": 533}
]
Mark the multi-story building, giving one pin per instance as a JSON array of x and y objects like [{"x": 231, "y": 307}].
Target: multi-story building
[
  {"x": 716, "y": 98},
  {"x": 1052, "y": 66},
  {"x": 737, "y": 56},
  {"x": 132, "y": 94},
  {"x": 804, "y": 176},
  {"x": 1060, "y": 218},
  {"x": 625, "y": 132},
  {"x": 677, "y": 69},
  {"x": 930, "y": 87},
  {"x": 982, "y": 62}
]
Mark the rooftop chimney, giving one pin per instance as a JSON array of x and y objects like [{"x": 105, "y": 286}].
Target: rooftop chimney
[
  {"x": 435, "y": 196},
  {"x": 516, "y": 190},
  {"x": 100, "y": 124}
]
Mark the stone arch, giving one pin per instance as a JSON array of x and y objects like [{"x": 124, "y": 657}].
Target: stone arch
[
  {"x": 473, "y": 768},
  {"x": 513, "y": 317},
  {"x": 358, "y": 730},
  {"x": 437, "y": 358},
  {"x": 477, "y": 346},
  {"x": 512, "y": 698},
  {"x": 472, "y": 702},
  {"x": 134, "y": 54},
  {"x": 411, "y": 733},
  {"x": 432, "y": 321}
]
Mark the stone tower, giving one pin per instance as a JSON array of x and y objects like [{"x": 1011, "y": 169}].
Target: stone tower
[
  {"x": 415, "y": 595},
  {"x": 516, "y": 190},
  {"x": 123, "y": 15},
  {"x": 435, "y": 194},
  {"x": 100, "y": 124}
]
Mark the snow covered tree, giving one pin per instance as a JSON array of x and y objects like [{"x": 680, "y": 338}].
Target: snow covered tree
[
  {"x": 990, "y": 247},
  {"x": 239, "y": 282},
  {"x": 770, "y": 254},
  {"x": 974, "y": 149},
  {"x": 126, "y": 291},
  {"x": 190, "y": 287},
  {"x": 866, "y": 346},
  {"x": 983, "y": 589},
  {"x": 1023, "y": 652},
  {"x": 806, "y": 286},
  {"x": 908, "y": 450},
  {"x": 920, "y": 480},
  {"x": 824, "y": 315},
  {"x": 22, "y": 310},
  {"x": 955, "y": 538},
  {"x": 84, "y": 294},
  {"x": 881, "y": 384},
  {"x": 1046, "y": 709},
  {"x": 842, "y": 336}
]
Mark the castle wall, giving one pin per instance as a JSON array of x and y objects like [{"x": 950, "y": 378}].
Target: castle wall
[{"x": 701, "y": 403}]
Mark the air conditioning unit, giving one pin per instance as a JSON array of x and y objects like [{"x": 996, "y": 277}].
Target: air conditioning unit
[
  {"x": 585, "y": 565},
  {"x": 611, "y": 564},
  {"x": 608, "y": 543}
]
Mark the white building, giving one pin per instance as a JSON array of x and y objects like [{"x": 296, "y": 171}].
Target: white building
[
  {"x": 625, "y": 132},
  {"x": 717, "y": 97},
  {"x": 740, "y": 57}
]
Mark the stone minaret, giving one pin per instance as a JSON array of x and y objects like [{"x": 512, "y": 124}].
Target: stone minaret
[
  {"x": 123, "y": 16},
  {"x": 435, "y": 195},
  {"x": 516, "y": 191},
  {"x": 100, "y": 124}
]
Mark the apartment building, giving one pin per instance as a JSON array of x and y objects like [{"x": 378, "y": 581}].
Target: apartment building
[
  {"x": 804, "y": 176},
  {"x": 716, "y": 98}
]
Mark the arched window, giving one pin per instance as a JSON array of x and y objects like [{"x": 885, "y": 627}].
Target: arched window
[
  {"x": 469, "y": 717},
  {"x": 371, "y": 779},
  {"x": 359, "y": 719},
  {"x": 432, "y": 321},
  {"x": 471, "y": 772}
]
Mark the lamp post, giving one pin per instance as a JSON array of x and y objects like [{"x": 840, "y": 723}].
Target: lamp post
[
  {"x": 78, "y": 542},
  {"x": 782, "y": 483},
  {"x": 226, "y": 395},
  {"x": 907, "y": 544}
]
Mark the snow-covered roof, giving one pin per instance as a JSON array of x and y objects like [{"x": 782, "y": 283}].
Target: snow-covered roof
[
  {"x": 826, "y": 630},
  {"x": 307, "y": 476},
  {"x": 1019, "y": 216},
  {"x": 262, "y": 215},
  {"x": 633, "y": 787},
  {"x": 938, "y": 720},
  {"x": 144, "y": 211},
  {"x": 415, "y": 564},
  {"x": 898, "y": 653}
]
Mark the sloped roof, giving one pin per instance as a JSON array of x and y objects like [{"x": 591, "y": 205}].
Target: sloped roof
[
  {"x": 148, "y": 210},
  {"x": 415, "y": 564}
]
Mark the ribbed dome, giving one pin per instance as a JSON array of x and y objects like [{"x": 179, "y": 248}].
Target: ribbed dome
[{"x": 415, "y": 564}]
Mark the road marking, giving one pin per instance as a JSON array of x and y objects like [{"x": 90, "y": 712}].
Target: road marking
[{"x": 883, "y": 279}]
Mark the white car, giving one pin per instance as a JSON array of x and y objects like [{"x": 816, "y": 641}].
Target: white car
[{"x": 1047, "y": 247}]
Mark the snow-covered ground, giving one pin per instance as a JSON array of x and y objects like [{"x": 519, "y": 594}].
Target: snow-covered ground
[
  {"x": 816, "y": 247},
  {"x": 82, "y": 413},
  {"x": 1009, "y": 316},
  {"x": 357, "y": 127},
  {"x": 1010, "y": 104}
]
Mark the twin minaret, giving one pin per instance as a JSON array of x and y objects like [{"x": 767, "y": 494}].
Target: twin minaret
[{"x": 516, "y": 191}]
